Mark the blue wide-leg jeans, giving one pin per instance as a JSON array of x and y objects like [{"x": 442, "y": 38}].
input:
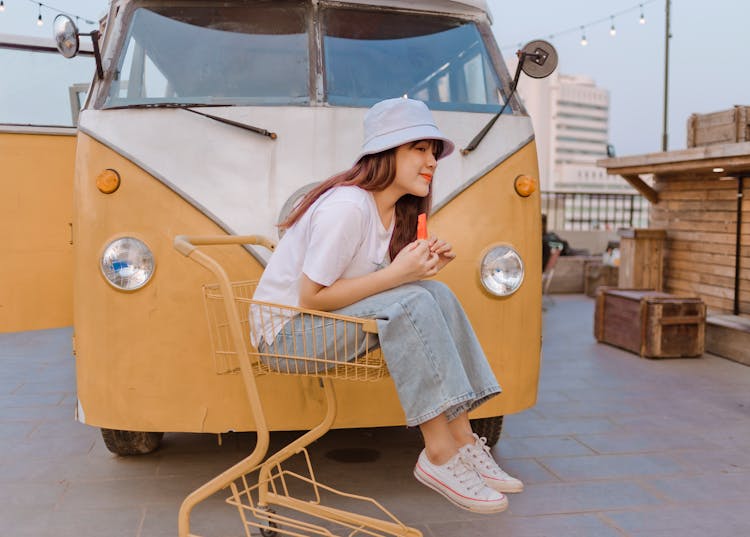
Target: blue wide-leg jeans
[{"x": 432, "y": 352}]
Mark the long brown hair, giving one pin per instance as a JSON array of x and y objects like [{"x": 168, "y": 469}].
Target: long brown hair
[{"x": 375, "y": 173}]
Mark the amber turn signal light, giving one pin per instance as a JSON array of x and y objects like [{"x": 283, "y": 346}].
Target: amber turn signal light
[
  {"x": 525, "y": 186},
  {"x": 108, "y": 181}
]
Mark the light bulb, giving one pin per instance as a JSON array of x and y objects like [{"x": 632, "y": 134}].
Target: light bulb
[
  {"x": 642, "y": 20},
  {"x": 584, "y": 41},
  {"x": 612, "y": 30},
  {"x": 39, "y": 21},
  {"x": 2, "y": 6}
]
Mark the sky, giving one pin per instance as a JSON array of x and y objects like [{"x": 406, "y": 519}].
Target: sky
[{"x": 708, "y": 64}]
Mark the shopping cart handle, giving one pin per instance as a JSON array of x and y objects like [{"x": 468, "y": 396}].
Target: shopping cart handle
[{"x": 186, "y": 244}]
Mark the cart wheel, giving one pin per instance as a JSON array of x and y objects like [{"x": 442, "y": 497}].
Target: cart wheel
[
  {"x": 490, "y": 428},
  {"x": 270, "y": 526},
  {"x": 131, "y": 442}
]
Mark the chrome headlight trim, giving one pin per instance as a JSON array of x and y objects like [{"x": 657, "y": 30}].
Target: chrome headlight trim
[
  {"x": 501, "y": 270},
  {"x": 127, "y": 263}
]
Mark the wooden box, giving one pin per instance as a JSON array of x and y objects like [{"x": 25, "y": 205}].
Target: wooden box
[
  {"x": 650, "y": 323},
  {"x": 725, "y": 127},
  {"x": 641, "y": 258},
  {"x": 596, "y": 275}
]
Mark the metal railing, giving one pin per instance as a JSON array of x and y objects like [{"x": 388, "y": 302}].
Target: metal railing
[{"x": 594, "y": 211}]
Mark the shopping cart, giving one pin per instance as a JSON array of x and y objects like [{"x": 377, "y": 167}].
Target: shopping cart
[{"x": 269, "y": 497}]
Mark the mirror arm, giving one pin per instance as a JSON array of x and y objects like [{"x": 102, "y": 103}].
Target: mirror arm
[{"x": 97, "y": 53}]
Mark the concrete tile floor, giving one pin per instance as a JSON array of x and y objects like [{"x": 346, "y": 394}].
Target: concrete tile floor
[{"x": 616, "y": 446}]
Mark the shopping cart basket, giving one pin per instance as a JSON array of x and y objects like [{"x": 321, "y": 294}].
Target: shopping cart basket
[{"x": 268, "y": 496}]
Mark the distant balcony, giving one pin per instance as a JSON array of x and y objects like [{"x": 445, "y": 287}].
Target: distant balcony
[{"x": 594, "y": 211}]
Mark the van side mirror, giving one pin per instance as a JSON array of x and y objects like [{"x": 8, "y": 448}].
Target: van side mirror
[
  {"x": 67, "y": 39},
  {"x": 66, "y": 36},
  {"x": 538, "y": 59}
]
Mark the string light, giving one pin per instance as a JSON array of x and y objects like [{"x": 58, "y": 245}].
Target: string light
[
  {"x": 2, "y": 6},
  {"x": 40, "y": 19},
  {"x": 608, "y": 19}
]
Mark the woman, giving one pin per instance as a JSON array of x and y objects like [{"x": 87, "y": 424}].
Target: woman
[{"x": 350, "y": 248}]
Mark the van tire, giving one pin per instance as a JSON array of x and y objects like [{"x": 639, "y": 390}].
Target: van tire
[
  {"x": 490, "y": 428},
  {"x": 127, "y": 443}
]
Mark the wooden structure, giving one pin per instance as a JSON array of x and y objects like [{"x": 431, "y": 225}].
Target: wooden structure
[
  {"x": 727, "y": 126},
  {"x": 641, "y": 259},
  {"x": 650, "y": 323},
  {"x": 697, "y": 199}
]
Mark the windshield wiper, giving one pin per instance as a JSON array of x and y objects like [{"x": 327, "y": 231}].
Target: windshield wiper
[
  {"x": 481, "y": 134},
  {"x": 165, "y": 105},
  {"x": 258, "y": 130},
  {"x": 189, "y": 107}
]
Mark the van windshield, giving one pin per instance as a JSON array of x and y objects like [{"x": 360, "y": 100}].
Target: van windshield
[
  {"x": 239, "y": 54},
  {"x": 262, "y": 53},
  {"x": 373, "y": 55}
]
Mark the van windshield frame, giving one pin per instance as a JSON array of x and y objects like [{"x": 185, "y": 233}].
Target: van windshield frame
[{"x": 301, "y": 53}]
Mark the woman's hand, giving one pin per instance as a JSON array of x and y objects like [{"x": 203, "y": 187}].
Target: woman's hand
[
  {"x": 414, "y": 262},
  {"x": 443, "y": 250}
]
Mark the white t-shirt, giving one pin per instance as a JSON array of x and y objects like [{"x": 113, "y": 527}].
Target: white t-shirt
[{"x": 339, "y": 236}]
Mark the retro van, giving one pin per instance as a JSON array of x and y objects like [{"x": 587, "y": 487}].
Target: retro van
[{"x": 211, "y": 118}]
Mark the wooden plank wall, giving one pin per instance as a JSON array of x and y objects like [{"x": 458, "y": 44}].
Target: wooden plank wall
[{"x": 700, "y": 216}]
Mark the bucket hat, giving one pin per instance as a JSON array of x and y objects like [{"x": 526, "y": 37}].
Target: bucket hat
[{"x": 394, "y": 122}]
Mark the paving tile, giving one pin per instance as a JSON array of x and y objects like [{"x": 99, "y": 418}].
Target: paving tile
[
  {"x": 16, "y": 430},
  {"x": 42, "y": 496},
  {"x": 213, "y": 518},
  {"x": 717, "y": 460},
  {"x": 49, "y": 448},
  {"x": 707, "y": 487},
  {"x": 530, "y": 471},
  {"x": 517, "y": 526},
  {"x": 584, "y": 409},
  {"x": 561, "y": 498},
  {"x": 541, "y": 446},
  {"x": 525, "y": 426},
  {"x": 611, "y": 466},
  {"x": 35, "y": 387},
  {"x": 30, "y": 522},
  {"x": 129, "y": 493},
  {"x": 33, "y": 400},
  {"x": 719, "y": 519},
  {"x": 638, "y": 443}
]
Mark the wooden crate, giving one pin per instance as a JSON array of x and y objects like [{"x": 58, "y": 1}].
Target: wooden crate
[
  {"x": 596, "y": 275},
  {"x": 650, "y": 323},
  {"x": 641, "y": 258},
  {"x": 727, "y": 126}
]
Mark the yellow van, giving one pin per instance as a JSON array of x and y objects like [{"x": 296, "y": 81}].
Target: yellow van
[{"x": 213, "y": 118}]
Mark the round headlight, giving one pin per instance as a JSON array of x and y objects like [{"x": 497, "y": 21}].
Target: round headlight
[
  {"x": 501, "y": 271},
  {"x": 127, "y": 263}
]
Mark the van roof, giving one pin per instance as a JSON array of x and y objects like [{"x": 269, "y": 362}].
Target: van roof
[
  {"x": 466, "y": 7},
  {"x": 449, "y": 6}
]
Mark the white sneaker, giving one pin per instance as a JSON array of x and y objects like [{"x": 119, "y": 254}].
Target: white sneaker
[
  {"x": 459, "y": 483},
  {"x": 481, "y": 459}
]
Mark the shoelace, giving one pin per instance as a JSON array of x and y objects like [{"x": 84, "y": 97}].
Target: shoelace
[
  {"x": 481, "y": 454},
  {"x": 465, "y": 473}
]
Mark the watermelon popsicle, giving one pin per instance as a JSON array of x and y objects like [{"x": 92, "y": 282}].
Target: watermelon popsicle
[{"x": 422, "y": 226}]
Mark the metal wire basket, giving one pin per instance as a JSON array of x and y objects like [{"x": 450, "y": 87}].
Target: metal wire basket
[
  {"x": 334, "y": 346},
  {"x": 302, "y": 507}
]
